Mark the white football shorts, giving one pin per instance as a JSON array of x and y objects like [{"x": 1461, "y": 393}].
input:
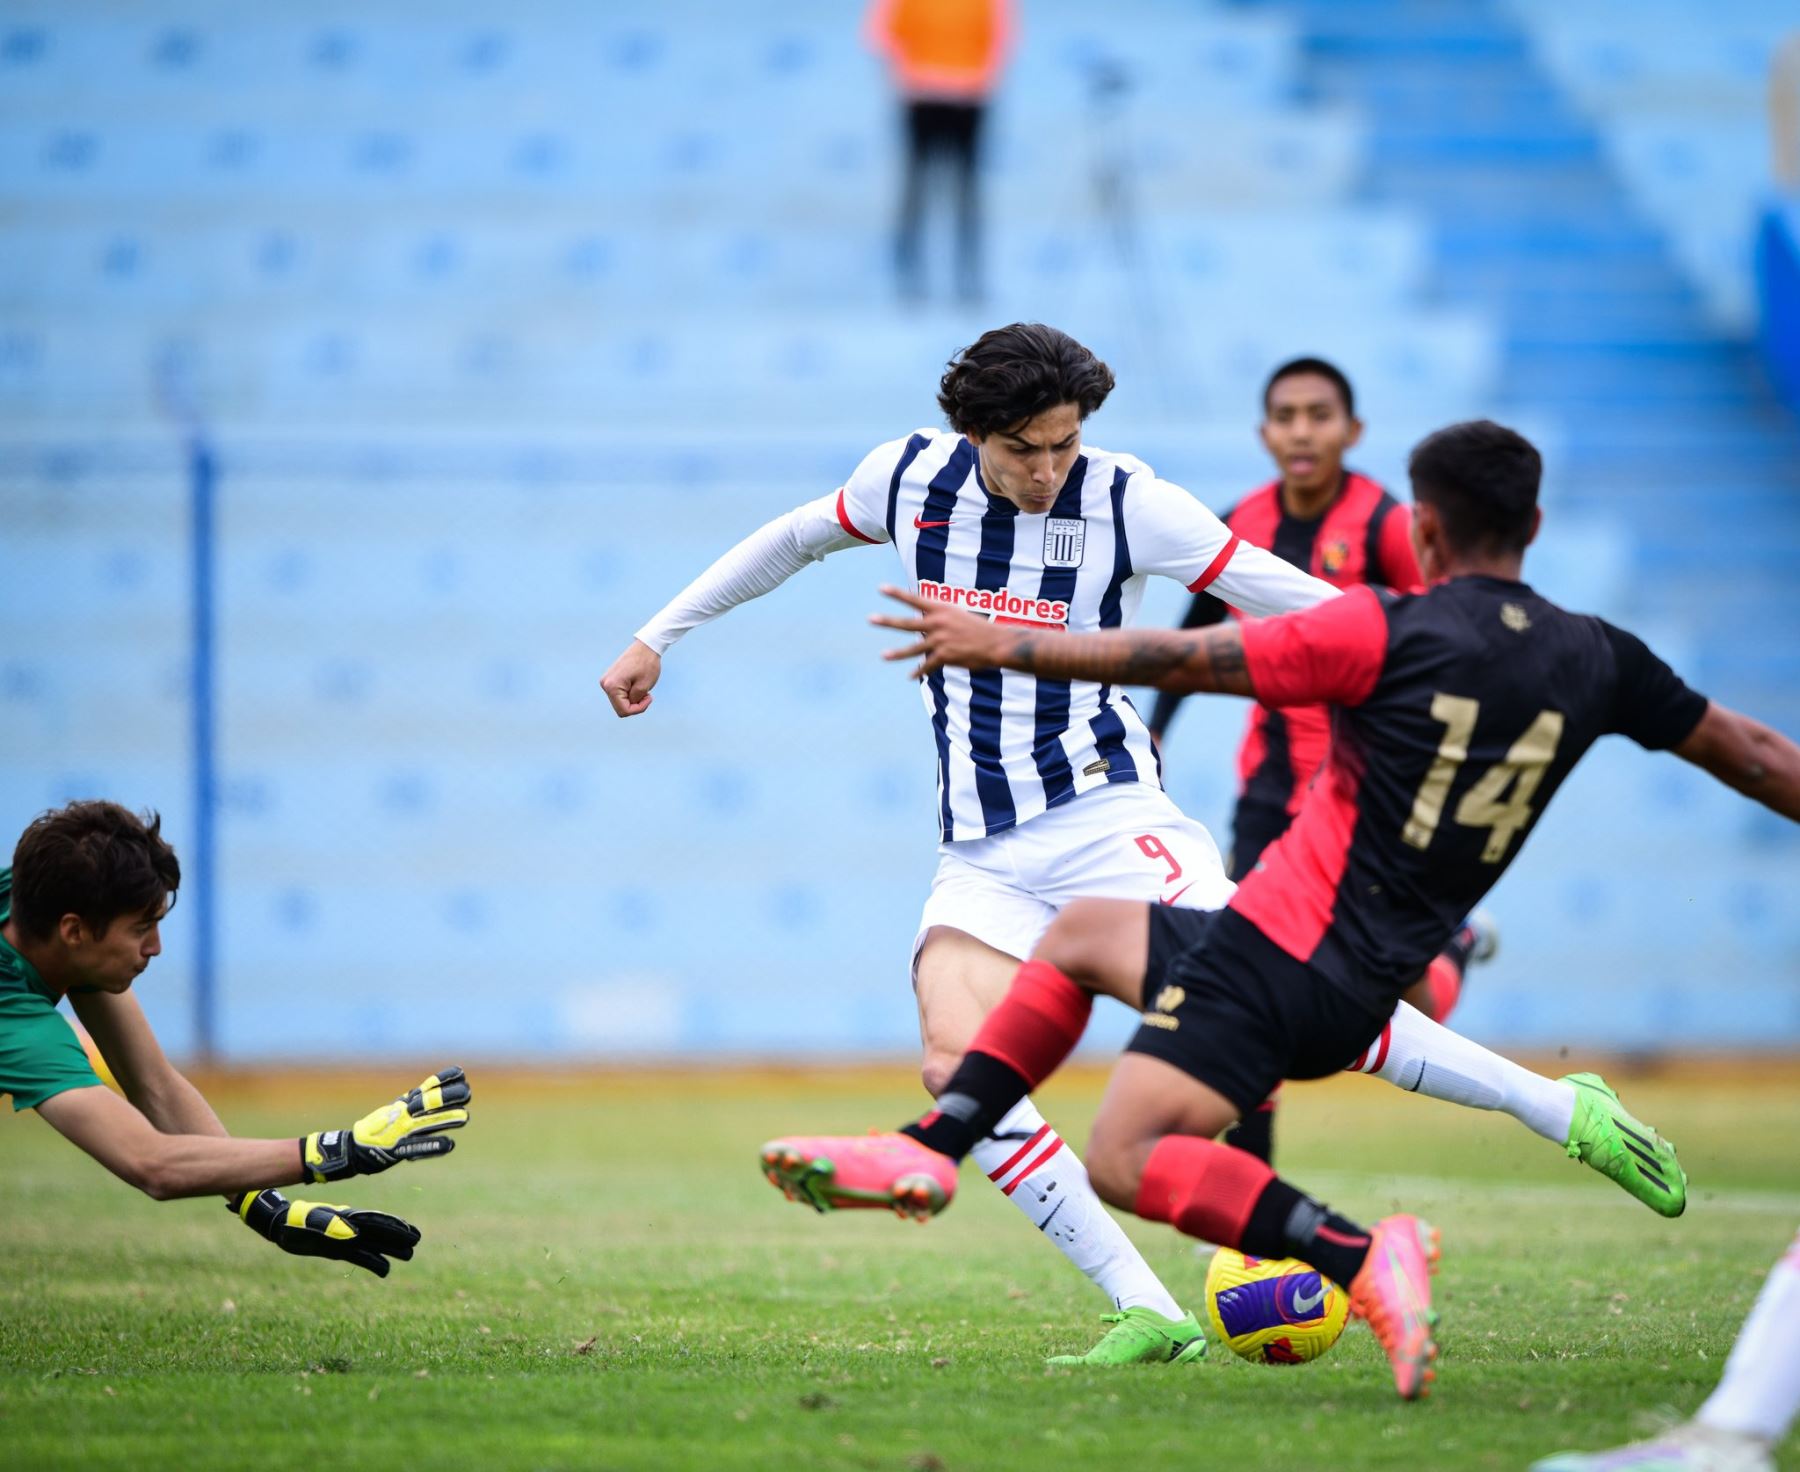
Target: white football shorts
[{"x": 1124, "y": 841}]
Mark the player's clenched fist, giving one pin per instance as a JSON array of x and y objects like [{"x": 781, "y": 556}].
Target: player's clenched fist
[
  {"x": 411, "y": 1128},
  {"x": 950, "y": 635},
  {"x": 627, "y": 684},
  {"x": 312, "y": 1229}
]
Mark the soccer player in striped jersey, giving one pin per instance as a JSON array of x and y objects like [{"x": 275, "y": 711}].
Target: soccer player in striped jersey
[
  {"x": 1345, "y": 528},
  {"x": 1457, "y": 715},
  {"x": 1048, "y": 790}
]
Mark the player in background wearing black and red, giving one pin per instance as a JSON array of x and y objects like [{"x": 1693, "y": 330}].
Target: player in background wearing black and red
[
  {"x": 1346, "y": 529},
  {"x": 1457, "y": 713}
]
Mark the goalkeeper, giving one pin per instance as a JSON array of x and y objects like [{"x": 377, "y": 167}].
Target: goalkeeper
[{"x": 80, "y": 911}]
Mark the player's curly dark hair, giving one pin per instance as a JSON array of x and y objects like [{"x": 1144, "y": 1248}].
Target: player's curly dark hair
[
  {"x": 1010, "y": 374},
  {"x": 1482, "y": 478},
  {"x": 93, "y": 859}
]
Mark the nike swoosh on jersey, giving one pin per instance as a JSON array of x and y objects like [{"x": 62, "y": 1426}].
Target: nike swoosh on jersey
[
  {"x": 921, "y": 525},
  {"x": 1169, "y": 899},
  {"x": 1304, "y": 1304}
]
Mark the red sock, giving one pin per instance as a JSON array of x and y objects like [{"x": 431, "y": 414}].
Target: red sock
[
  {"x": 1443, "y": 979},
  {"x": 1037, "y": 1024},
  {"x": 1202, "y": 1188}
]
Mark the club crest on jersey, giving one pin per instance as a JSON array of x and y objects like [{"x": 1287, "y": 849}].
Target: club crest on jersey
[
  {"x": 1065, "y": 537},
  {"x": 1333, "y": 556}
]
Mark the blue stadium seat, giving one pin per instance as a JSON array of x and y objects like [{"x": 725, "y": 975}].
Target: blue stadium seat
[{"x": 508, "y": 321}]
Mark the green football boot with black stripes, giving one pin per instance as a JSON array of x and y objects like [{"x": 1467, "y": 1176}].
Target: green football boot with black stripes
[
  {"x": 1624, "y": 1149},
  {"x": 1141, "y": 1336}
]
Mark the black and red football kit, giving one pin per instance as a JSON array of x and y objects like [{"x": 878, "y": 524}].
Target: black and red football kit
[
  {"x": 1364, "y": 536},
  {"x": 1455, "y": 716}
]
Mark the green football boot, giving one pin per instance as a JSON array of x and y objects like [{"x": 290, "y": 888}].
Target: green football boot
[
  {"x": 1624, "y": 1149},
  {"x": 1141, "y": 1336}
]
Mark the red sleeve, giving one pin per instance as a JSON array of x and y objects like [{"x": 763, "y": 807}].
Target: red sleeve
[
  {"x": 1330, "y": 654},
  {"x": 1396, "y": 565}
]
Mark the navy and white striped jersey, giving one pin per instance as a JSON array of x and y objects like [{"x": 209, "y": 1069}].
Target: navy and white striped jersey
[{"x": 1009, "y": 745}]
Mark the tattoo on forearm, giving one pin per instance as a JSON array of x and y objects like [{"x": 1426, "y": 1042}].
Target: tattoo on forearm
[
  {"x": 1228, "y": 661},
  {"x": 1208, "y": 659}
]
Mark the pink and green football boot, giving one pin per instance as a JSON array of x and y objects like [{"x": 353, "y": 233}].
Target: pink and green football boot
[
  {"x": 1393, "y": 1293},
  {"x": 860, "y": 1172}
]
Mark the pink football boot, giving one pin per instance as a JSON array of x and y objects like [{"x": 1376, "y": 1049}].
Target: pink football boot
[
  {"x": 1393, "y": 1292},
  {"x": 848, "y": 1172}
]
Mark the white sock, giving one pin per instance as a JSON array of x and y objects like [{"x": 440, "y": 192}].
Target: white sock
[
  {"x": 1760, "y": 1394},
  {"x": 1029, "y": 1162},
  {"x": 1425, "y": 1057}
]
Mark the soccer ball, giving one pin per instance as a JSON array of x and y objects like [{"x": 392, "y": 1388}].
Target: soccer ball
[{"x": 1273, "y": 1310}]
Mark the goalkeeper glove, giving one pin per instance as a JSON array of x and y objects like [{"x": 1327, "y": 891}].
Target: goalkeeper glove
[
  {"x": 312, "y": 1229},
  {"x": 408, "y": 1129}
]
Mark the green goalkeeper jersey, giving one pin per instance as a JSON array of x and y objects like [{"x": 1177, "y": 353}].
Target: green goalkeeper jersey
[{"x": 40, "y": 1055}]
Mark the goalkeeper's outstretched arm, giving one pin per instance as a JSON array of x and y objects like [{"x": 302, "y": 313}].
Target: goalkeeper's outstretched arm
[
  {"x": 118, "y": 1135},
  {"x": 167, "y": 1166}
]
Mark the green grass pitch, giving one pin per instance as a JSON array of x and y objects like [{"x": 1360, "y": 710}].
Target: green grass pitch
[{"x": 607, "y": 1282}]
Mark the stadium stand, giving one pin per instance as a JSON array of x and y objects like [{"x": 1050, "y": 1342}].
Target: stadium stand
[
  {"x": 1616, "y": 270},
  {"x": 503, "y": 323}
]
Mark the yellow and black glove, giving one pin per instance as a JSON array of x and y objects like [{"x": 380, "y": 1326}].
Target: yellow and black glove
[
  {"x": 411, "y": 1128},
  {"x": 312, "y": 1229}
]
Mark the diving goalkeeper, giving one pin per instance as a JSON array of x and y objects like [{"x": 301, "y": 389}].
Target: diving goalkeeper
[{"x": 80, "y": 911}]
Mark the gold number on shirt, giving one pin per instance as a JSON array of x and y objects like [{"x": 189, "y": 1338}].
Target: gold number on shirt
[
  {"x": 1486, "y": 804},
  {"x": 1458, "y": 714}
]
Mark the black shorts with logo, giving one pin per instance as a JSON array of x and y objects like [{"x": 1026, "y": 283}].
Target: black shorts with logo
[{"x": 1229, "y": 1007}]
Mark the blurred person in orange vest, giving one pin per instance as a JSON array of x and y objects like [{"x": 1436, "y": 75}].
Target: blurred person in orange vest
[{"x": 946, "y": 56}]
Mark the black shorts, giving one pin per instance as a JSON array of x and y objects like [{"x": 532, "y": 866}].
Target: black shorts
[
  {"x": 1229, "y": 1007},
  {"x": 1254, "y": 826}
]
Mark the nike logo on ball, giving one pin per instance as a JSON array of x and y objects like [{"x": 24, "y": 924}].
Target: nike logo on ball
[{"x": 1304, "y": 1304}]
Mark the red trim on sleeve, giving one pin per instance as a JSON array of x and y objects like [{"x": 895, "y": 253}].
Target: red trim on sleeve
[
  {"x": 1215, "y": 567},
  {"x": 844, "y": 522}
]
